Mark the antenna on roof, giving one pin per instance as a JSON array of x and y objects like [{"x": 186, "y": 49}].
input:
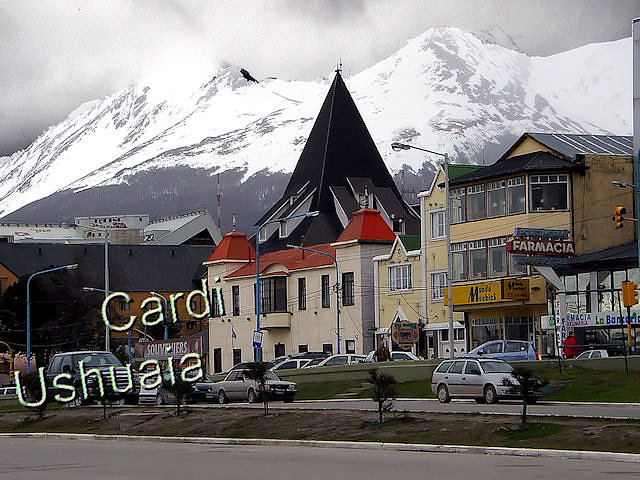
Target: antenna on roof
[
  {"x": 233, "y": 220},
  {"x": 219, "y": 197}
]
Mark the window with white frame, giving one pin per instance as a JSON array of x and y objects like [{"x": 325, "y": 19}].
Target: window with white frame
[
  {"x": 438, "y": 227},
  {"x": 548, "y": 192},
  {"x": 459, "y": 260},
  {"x": 515, "y": 269},
  {"x": 400, "y": 277},
  {"x": 457, "y": 205},
  {"x": 497, "y": 256},
  {"x": 496, "y": 199},
  {"x": 516, "y": 195},
  {"x": 438, "y": 284},
  {"x": 283, "y": 229},
  {"x": 476, "y": 206},
  {"x": 263, "y": 235},
  {"x": 477, "y": 259}
]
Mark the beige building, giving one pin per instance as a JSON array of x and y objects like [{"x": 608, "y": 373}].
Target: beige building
[{"x": 298, "y": 296}]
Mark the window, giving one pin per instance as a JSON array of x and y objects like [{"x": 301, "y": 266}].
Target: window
[
  {"x": 235, "y": 294},
  {"x": 497, "y": 257},
  {"x": 443, "y": 367},
  {"x": 457, "y": 205},
  {"x": 283, "y": 229},
  {"x": 477, "y": 259},
  {"x": 438, "y": 284},
  {"x": 459, "y": 333},
  {"x": 263, "y": 235},
  {"x": 515, "y": 269},
  {"x": 339, "y": 360},
  {"x": 326, "y": 303},
  {"x": 397, "y": 225},
  {"x": 548, "y": 192},
  {"x": 327, "y": 348},
  {"x": 347, "y": 289},
  {"x": 350, "y": 346},
  {"x": 400, "y": 277},
  {"x": 302, "y": 293},
  {"x": 459, "y": 257},
  {"x": 493, "y": 348},
  {"x": 278, "y": 349},
  {"x": 217, "y": 305},
  {"x": 476, "y": 206},
  {"x": 438, "y": 226},
  {"x": 191, "y": 325},
  {"x": 472, "y": 368},
  {"x": 513, "y": 347},
  {"x": 237, "y": 356},
  {"x": 496, "y": 199},
  {"x": 457, "y": 367},
  {"x": 273, "y": 295},
  {"x": 444, "y": 335},
  {"x": 303, "y": 348},
  {"x": 516, "y": 195}
]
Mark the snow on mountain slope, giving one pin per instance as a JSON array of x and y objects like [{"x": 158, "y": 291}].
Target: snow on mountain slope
[{"x": 446, "y": 90}]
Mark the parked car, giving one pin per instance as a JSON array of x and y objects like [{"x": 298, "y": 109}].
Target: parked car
[
  {"x": 397, "y": 356},
  {"x": 507, "y": 350},
  {"x": 243, "y": 366},
  {"x": 335, "y": 360},
  {"x": 482, "y": 380},
  {"x": 201, "y": 392},
  {"x": 238, "y": 386},
  {"x": 310, "y": 355},
  {"x": 593, "y": 354},
  {"x": 290, "y": 363},
  {"x": 69, "y": 362}
]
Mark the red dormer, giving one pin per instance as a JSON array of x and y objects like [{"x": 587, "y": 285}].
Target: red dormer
[
  {"x": 366, "y": 225},
  {"x": 234, "y": 247}
]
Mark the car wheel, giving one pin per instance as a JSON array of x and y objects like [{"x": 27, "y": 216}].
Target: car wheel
[
  {"x": 490, "y": 395},
  {"x": 289, "y": 398},
  {"x": 532, "y": 400},
  {"x": 251, "y": 396},
  {"x": 222, "y": 398},
  {"x": 480, "y": 400},
  {"x": 443, "y": 394}
]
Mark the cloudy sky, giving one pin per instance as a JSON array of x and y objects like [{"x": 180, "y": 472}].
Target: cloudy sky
[{"x": 57, "y": 54}]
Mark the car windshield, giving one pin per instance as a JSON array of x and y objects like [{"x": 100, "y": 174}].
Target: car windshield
[
  {"x": 271, "y": 376},
  {"x": 496, "y": 367},
  {"x": 97, "y": 360}
]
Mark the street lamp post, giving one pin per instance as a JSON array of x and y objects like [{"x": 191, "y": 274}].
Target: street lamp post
[
  {"x": 91, "y": 289},
  {"x": 403, "y": 146},
  {"x": 166, "y": 314},
  {"x": 300, "y": 247},
  {"x": 258, "y": 350},
  {"x": 64, "y": 267}
]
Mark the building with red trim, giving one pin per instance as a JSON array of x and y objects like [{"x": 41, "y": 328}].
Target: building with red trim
[{"x": 298, "y": 296}]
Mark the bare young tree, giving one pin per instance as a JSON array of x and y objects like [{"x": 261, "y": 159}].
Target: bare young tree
[
  {"x": 258, "y": 371},
  {"x": 524, "y": 383},
  {"x": 383, "y": 391},
  {"x": 178, "y": 387}
]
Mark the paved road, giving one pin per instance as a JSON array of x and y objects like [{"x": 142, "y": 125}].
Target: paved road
[
  {"x": 34, "y": 459},
  {"x": 543, "y": 409}
]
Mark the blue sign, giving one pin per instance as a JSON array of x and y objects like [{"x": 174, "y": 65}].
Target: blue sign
[{"x": 541, "y": 233}]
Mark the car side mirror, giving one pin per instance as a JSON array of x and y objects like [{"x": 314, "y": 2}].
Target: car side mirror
[
  {"x": 480, "y": 352},
  {"x": 66, "y": 368}
]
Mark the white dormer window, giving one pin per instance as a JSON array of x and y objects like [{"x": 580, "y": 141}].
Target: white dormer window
[
  {"x": 263, "y": 235},
  {"x": 283, "y": 230}
]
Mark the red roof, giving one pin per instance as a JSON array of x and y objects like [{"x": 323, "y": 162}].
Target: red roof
[
  {"x": 233, "y": 246},
  {"x": 368, "y": 225},
  {"x": 292, "y": 259}
]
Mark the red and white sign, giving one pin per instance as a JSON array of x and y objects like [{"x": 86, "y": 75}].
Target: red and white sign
[{"x": 545, "y": 248}]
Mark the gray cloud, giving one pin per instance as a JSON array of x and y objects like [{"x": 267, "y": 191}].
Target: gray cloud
[{"x": 56, "y": 55}]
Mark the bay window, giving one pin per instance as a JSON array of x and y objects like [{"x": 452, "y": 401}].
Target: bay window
[
  {"x": 457, "y": 205},
  {"x": 548, "y": 192},
  {"x": 476, "y": 206},
  {"x": 516, "y": 195},
  {"x": 459, "y": 260},
  {"x": 496, "y": 199},
  {"x": 497, "y": 257},
  {"x": 477, "y": 259}
]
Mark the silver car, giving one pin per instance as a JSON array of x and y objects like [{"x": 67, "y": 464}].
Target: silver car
[
  {"x": 482, "y": 380},
  {"x": 238, "y": 386}
]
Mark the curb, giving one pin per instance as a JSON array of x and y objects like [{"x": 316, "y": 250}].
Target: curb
[{"x": 398, "y": 447}]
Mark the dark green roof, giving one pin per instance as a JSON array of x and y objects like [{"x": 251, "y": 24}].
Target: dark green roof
[
  {"x": 410, "y": 242},
  {"x": 456, "y": 171}
]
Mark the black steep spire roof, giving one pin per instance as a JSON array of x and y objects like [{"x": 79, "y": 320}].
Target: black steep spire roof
[{"x": 339, "y": 146}]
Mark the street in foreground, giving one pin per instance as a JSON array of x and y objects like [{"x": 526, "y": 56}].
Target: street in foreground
[{"x": 29, "y": 459}]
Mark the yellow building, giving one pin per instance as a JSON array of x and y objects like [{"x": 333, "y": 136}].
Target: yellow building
[{"x": 544, "y": 181}]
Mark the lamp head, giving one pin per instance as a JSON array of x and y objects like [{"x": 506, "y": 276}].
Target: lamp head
[
  {"x": 312, "y": 214},
  {"x": 72, "y": 267},
  {"x": 397, "y": 146}
]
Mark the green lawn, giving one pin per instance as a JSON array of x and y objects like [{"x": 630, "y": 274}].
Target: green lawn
[{"x": 575, "y": 384}]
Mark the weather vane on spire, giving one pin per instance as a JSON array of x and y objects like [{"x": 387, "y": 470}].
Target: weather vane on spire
[
  {"x": 233, "y": 221},
  {"x": 339, "y": 67}
]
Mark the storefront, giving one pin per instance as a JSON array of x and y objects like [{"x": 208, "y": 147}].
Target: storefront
[{"x": 506, "y": 309}]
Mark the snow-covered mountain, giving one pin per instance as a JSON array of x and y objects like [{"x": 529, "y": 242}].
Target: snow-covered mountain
[{"x": 446, "y": 90}]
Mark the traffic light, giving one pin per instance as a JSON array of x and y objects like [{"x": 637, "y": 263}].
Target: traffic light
[
  {"x": 619, "y": 211},
  {"x": 629, "y": 293}
]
